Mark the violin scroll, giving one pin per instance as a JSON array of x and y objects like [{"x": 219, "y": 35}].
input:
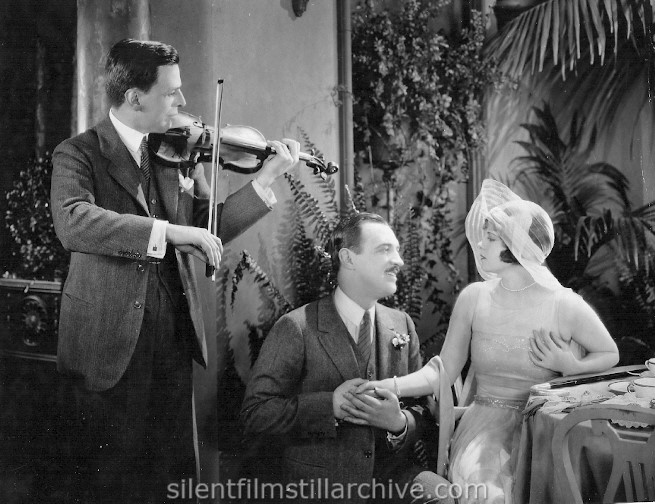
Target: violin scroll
[{"x": 318, "y": 164}]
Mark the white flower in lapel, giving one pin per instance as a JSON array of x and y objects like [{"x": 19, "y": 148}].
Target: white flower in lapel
[
  {"x": 399, "y": 339},
  {"x": 185, "y": 183}
]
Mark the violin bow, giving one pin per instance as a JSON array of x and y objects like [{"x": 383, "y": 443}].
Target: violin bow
[{"x": 212, "y": 224}]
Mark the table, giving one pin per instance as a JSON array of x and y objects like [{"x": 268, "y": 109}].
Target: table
[{"x": 536, "y": 482}]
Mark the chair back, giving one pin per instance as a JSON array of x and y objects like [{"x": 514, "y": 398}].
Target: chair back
[
  {"x": 633, "y": 450},
  {"x": 445, "y": 412},
  {"x": 464, "y": 392}
]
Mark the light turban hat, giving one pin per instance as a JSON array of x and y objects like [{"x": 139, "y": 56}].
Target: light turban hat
[{"x": 523, "y": 226}]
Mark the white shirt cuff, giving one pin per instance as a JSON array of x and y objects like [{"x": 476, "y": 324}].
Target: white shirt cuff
[
  {"x": 157, "y": 243},
  {"x": 266, "y": 195},
  {"x": 394, "y": 440}
]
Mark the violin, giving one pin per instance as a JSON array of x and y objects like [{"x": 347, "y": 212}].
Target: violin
[{"x": 243, "y": 149}]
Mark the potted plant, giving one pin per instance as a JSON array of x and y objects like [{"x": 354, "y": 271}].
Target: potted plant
[{"x": 31, "y": 288}]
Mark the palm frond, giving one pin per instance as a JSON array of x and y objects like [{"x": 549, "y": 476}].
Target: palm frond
[
  {"x": 588, "y": 203},
  {"x": 591, "y": 232},
  {"x": 638, "y": 282},
  {"x": 552, "y": 30},
  {"x": 612, "y": 189},
  {"x": 607, "y": 45},
  {"x": 634, "y": 242},
  {"x": 557, "y": 170},
  {"x": 646, "y": 214}
]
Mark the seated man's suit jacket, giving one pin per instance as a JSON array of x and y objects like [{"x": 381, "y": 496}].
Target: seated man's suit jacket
[{"x": 305, "y": 357}]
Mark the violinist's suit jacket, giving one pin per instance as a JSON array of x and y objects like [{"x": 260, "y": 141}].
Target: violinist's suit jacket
[
  {"x": 304, "y": 358},
  {"x": 101, "y": 215}
]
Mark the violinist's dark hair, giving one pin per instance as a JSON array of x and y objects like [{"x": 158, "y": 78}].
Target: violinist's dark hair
[
  {"x": 135, "y": 63},
  {"x": 348, "y": 234}
]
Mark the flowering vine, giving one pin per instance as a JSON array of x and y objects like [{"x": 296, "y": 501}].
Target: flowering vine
[{"x": 418, "y": 118}]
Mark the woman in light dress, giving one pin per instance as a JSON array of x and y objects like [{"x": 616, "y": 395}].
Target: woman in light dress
[{"x": 519, "y": 327}]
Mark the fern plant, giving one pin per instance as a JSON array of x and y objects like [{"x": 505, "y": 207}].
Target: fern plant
[{"x": 309, "y": 265}]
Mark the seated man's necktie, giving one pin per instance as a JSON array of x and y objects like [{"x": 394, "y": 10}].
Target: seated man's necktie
[{"x": 364, "y": 339}]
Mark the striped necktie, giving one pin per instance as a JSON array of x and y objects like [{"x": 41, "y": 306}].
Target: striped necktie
[
  {"x": 145, "y": 159},
  {"x": 364, "y": 339}
]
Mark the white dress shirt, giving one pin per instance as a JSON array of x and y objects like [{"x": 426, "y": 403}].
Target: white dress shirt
[{"x": 351, "y": 314}]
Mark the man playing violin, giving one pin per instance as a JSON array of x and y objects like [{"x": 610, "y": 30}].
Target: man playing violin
[{"x": 131, "y": 319}]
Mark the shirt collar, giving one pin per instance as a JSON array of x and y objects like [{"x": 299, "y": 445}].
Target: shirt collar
[
  {"x": 349, "y": 310},
  {"x": 130, "y": 137}
]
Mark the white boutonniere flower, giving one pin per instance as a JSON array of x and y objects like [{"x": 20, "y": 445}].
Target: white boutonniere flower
[
  {"x": 399, "y": 339},
  {"x": 185, "y": 183}
]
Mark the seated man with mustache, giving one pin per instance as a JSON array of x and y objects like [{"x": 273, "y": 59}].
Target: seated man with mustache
[{"x": 301, "y": 390}]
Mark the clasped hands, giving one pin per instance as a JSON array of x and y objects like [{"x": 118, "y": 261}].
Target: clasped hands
[
  {"x": 376, "y": 407},
  {"x": 200, "y": 242}
]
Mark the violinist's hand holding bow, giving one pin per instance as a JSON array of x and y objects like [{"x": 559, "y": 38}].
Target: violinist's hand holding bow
[
  {"x": 196, "y": 241},
  {"x": 286, "y": 155}
]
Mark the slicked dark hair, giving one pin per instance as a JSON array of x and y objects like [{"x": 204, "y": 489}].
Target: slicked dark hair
[
  {"x": 135, "y": 64},
  {"x": 348, "y": 234}
]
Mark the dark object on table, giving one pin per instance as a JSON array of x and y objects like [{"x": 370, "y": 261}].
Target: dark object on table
[{"x": 572, "y": 380}]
